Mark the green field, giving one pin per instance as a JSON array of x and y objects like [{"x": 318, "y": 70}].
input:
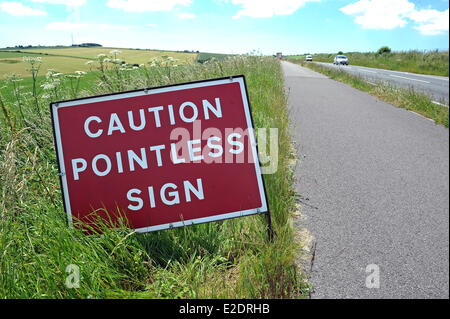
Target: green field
[
  {"x": 228, "y": 259},
  {"x": 204, "y": 56},
  {"x": 69, "y": 60},
  {"x": 423, "y": 62}
]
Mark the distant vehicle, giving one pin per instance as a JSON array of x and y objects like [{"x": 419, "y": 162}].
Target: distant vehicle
[
  {"x": 340, "y": 59},
  {"x": 308, "y": 58}
]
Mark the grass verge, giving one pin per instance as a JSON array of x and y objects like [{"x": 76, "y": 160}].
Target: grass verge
[
  {"x": 404, "y": 98},
  {"x": 423, "y": 62},
  {"x": 228, "y": 259}
]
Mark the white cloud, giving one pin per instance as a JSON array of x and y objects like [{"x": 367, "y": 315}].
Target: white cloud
[
  {"x": 69, "y": 3},
  {"x": 391, "y": 14},
  {"x": 431, "y": 22},
  {"x": 19, "y": 10},
  {"x": 146, "y": 5},
  {"x": 268, "y": 8},
  {"x": 380, "y": 14},
  {"x": 185, "y": 15}
]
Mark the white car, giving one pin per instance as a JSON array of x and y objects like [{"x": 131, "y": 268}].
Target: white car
[
  {"x": 308, "y": 58},
  {"x": 340, "y": 59}
]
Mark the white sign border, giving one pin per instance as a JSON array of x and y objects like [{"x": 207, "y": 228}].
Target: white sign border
[{"x": 170, "y": 88}]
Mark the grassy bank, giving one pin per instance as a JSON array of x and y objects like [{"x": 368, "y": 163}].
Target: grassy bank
[
  {"x": 404, "y": 98},
  {"x": 423, "y": 62},
  {"x": 229, "y": 259}
]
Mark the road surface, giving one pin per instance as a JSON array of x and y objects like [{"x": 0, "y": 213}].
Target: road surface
[
  {"x": 374, "y": 186},
  {"x": 436, "y": 87}
]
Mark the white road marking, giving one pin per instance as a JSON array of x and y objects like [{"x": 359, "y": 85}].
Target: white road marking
[
  {"x": 435, "y": 77},
  {"x": 445, "y": 105},
  {"x": 367, "y": 71},
  {"x": 402, "y": 77}
]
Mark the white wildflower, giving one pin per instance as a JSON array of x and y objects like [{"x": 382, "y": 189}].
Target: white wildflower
[
  {"x": 52, "y": 74},
  {"x": 13, "y": 77},
  {"x": 48, "y": 86}
]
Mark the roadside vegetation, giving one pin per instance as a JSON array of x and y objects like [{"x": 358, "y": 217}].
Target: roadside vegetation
[
  {"x": 422, "y": 62},
  {"x": 404, "y": 98},
  {"x": 228, "y": 259}
]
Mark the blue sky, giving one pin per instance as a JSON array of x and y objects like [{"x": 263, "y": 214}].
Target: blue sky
[{"x": 230, "y": 26}]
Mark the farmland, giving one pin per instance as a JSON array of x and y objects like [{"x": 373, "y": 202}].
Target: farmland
[
  {"x": 203, "y": 56},
  {"x": 69, "y": 60}
]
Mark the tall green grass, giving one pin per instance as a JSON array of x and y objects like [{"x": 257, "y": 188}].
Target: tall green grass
[{"x": 228, "y": 259}]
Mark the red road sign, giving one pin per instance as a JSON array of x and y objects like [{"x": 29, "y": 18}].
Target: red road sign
[{"x": 161, "y": 157}]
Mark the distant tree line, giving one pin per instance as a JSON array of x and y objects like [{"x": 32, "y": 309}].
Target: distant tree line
[
  {"x": 87, "y": 45},
  {"x": 83, "y": 45}
]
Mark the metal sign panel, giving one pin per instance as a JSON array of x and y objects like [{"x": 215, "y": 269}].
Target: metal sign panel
[{"x": 161, "y": 157}]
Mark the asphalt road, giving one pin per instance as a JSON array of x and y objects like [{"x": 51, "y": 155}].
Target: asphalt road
[
  {"x": 374, "y": 186},
  {"x": 437, "y": 87}
]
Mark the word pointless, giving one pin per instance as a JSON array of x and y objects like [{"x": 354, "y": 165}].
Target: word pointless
[{"x": 102, "y": 164}]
